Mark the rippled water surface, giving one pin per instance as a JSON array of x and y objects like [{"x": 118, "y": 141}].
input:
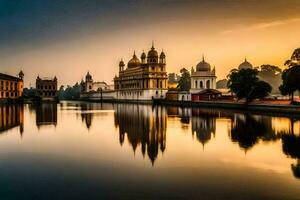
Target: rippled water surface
[{"x": 76, "y": 150}]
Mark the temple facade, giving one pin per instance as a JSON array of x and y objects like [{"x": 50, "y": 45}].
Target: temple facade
[
  {"x": 203, "y": 78},
  {"x": 142, "y": 79}
]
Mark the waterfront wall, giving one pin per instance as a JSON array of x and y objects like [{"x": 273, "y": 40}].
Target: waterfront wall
[{"x": 288, "y": 109}]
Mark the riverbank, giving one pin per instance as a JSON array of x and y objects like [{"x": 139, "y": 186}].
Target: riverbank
[
  {"x": 241, "y": 106},
  {"x": 258, "y": 106}
]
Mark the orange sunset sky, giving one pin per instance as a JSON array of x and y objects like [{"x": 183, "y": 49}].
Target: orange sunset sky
[{"x": 68, "y": 38}]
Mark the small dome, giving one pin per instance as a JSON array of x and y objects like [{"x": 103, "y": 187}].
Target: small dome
[
  {"x": 162, "y": 55},
  {"x": 203, "y": 66},
  {"x": 245, "y": 65},
  {"x": 143, "y": 56},
  {"x": 121, "y": 63},
  {"x": 134, "y": 62}
]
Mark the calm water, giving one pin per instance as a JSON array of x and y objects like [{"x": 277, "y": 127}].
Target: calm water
[{"x": 77, "y": 150}]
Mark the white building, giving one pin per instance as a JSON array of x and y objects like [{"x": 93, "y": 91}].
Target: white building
[
  {"x": 203, "y": 78},
  {"x": 96, "y": 90},
  {"x": 91, "y": 86}
]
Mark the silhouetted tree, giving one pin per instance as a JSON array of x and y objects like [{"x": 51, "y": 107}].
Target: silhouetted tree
[
  {"x": 271, "y": 74},
  {"x": 295, "y": 59},
  {"x": 71, "y": 92},
  {"x": 290, "y": 81},
  {"x": 245, "y": 84},
  {"x": 185, "y": 80},
  {"x": 260, "y": 90},
  {"x": 29, "y": 92},
  {"x": 222, "y": 84}
]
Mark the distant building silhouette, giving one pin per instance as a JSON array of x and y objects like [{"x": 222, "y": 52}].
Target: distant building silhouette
[{"x": 47, "y": 88}]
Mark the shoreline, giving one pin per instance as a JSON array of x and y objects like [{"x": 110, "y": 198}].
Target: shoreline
[
  {"x": 237, "y": 106},
  {"x": 234, "y": 106}
]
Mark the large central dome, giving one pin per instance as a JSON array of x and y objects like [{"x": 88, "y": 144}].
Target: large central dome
[
  {"x": 203, "y": 66},
  {"x": 152, "y": 53},
  {"x": 134, "y": 62}
]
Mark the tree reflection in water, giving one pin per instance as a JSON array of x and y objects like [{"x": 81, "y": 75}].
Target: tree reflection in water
[
  {"x": 247, "y": 130},
  {"x": 291, "y": 147}
]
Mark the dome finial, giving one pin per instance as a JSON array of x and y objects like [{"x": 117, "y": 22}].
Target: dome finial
[
  {"x": 203, "y": 57},
  {"x": 152, "y": 44},
  {"x": 134, "y": 52},
  {"x": 245, "y": 58}
]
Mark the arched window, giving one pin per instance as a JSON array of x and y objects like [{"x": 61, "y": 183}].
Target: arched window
[
  {"x": 196, "y": 84},
  {"x": 208, "y": 84},
  {"x": 201, "y": 84}
]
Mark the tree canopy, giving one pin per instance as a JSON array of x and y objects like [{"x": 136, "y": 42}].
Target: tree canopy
[
  {"x": 71, "y": 92},
  {"x": 184, "y": 83},
  {"x": 272, "y": 75},
  {"x": 290, "y": 81},
  {"x": 245, "y": 84},
  {"x": 295, "y": 58},
  {"x": 222, "y": 84}
]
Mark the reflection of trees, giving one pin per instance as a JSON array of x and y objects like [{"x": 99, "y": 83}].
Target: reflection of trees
[
  {"x": 247, "y": 130},
  {"x": 143, "y": 125},
  {"x": 291, "y": 147},
  {"x": 11, "y": 116},
  {"x": 88, "y": 111},
  {"x": 203, "y": 124},
  {"x": 46, "y": 114}
]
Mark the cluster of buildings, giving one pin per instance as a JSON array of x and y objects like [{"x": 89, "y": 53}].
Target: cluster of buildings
[
  {"x": 142, "y": 78},
  {"x": 145, "y": 78},
  {"x": 12, "y": 87}
]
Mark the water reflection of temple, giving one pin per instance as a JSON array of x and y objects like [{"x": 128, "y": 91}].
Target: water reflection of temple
[
  {"x": 144, "y": 126},
  {"x": 203, "y": 124},
  {"x": 11, "y": 116},
  {"x": 46, "y": 114}
]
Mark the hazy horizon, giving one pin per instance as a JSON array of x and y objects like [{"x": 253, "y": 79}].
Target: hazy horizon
[{"x": 68, "y": 38}]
